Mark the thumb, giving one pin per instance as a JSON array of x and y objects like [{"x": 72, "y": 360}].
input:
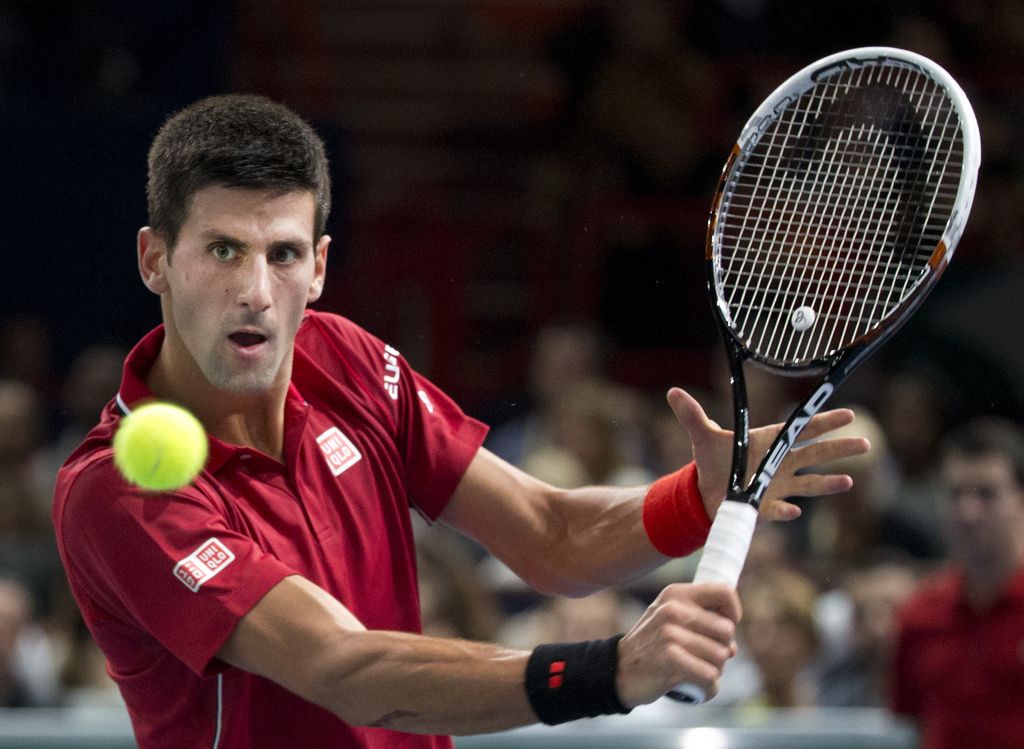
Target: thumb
[{"x": 690, "y": 414}]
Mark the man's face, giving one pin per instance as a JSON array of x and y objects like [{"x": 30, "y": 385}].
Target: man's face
[
  {"x": 237, "y": 282},
  {"x": 985, "y": 505}
]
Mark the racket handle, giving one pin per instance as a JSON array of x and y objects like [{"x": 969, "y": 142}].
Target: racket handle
[
  {"x": 722, "y": 561},
  {"x": 727, "y": 544}
]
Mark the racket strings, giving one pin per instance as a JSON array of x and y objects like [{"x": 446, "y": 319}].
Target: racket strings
[
  {"x": 865, "y": 183},
  {"x": 838, "y": 209},
  {"x": 822, "y": 185},
  {"x": 876, "y": 233},
  {"x": 855, "y": 225},
  {"x": 855, "y": 182}
]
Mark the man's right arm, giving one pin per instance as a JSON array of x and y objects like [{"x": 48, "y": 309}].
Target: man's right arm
[{"x": 304, "y": 639}]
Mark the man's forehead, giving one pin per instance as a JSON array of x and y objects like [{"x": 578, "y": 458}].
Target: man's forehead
[
  {"x": 988, "y": 467},
  {"x": 217, "y": 208}
]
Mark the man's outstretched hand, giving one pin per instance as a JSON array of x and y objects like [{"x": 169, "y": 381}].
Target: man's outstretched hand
[{"x": 712, "y": 451}]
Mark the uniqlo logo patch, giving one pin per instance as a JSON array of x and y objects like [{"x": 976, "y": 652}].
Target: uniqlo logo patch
[
  {"x": 338, "y": 450},
  {"x": 203, "y": 563}
]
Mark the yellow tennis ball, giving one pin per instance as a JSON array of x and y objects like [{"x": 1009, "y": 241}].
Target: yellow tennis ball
[{"x": 160, "y": 447}]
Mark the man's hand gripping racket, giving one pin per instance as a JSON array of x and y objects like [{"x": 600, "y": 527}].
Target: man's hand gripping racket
[{"x": 837, "y": 211}]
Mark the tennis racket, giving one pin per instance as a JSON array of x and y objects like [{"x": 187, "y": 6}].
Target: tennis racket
[{"x": 837, "y": 211}]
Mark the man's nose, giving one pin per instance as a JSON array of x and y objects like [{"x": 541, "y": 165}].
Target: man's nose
[
  {"x": 967, "y": 505},
  {"x": 254, "y": 289}
]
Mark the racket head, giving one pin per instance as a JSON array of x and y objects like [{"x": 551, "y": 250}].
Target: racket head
[{"x": 845, "y": 196}]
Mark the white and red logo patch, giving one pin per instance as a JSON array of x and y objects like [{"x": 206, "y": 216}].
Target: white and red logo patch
[
  {"x": 203, "y": 563},
  {"x": 338, "y": 450}
]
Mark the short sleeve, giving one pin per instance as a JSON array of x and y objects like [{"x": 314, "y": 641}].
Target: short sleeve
[
  {"x": 170, "y": 565},
  {"x": 435, "y": 438},
  {"x": 439, "y": 441}
]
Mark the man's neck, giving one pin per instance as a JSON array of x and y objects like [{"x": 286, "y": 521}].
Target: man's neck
[
  {"x": 986, "y": 582},
  {"x": 251, "y": 420}
]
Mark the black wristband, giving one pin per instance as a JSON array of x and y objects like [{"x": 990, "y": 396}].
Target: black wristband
[{"x": 574, "y": 680}]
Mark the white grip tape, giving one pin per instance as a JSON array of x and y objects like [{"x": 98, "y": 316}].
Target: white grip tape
[
  {"x": 727, "y": 544},
  {"x": 722, "y": 561}
]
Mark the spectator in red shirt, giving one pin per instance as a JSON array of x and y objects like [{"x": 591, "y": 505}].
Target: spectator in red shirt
[
  {"x": 959, "y": 658},
  {"x": 273, "y": 601}
]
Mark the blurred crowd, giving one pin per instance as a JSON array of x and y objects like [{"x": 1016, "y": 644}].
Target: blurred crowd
[
  {"x": 47, "y": 656},
  {"x": 819, "y": 593},
  {"x": 647, "y": 91}
]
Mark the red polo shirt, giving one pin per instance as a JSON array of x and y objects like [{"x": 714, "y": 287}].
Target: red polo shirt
[
  {"x": 162, "y": 580},
  {"x": 959, "y": 673}
]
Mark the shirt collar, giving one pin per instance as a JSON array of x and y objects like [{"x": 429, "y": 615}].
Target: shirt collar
[{"x": 1011, "y": 590}]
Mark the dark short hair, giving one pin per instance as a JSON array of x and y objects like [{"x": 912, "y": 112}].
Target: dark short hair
[
  {"x": 989, "y": 437},
  {"x": 234, "y": 140}
]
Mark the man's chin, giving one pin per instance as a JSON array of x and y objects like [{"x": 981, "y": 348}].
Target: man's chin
[{"x": 244, "y": 385}]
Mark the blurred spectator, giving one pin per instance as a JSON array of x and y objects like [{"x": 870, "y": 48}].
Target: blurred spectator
[
  {"x": 27, "y": 548},
  {"x": 26, "y": 355},
  {"x": 912, "y": 410},
  {"x": 15, "y": 615},
  {"x": 769, "y": 554},
  {"x": 959, "y": 657},
  {"x": 597, "y": 437},
  {"x": 564, "y": 355},
  {"x": 26, "y": 673},
  {"x": 92, "y": 381},
  {"x": 859, "y": 675},
  {"x": 867, "y": 522},
  {"x": 779, "y": 634},
  {"x": 593, "y": 617},
  {"x": 20, "y": 434},
  {"x": 454, "y": 599},
  {"x": 84, "y": 680}
]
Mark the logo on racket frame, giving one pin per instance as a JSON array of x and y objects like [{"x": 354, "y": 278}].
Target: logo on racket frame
[{"x": 813, "y": 405}]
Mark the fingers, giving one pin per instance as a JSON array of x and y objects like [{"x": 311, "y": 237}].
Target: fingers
[
  {"x": 792, "y": 483},
  {"x": 690, "y": 413},
  {"x": 686, "y": 635},
  {"x": 716, "y": 597},
  {"x": 829, "y": 450},
  {"x": 779, "y": 510},
  {"x": 826, "y": 422}
]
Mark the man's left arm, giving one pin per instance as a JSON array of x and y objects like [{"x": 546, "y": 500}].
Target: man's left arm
[{"x": 573, "y": 542}]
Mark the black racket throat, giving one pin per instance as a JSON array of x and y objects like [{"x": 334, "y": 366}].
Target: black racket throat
[
  {"x": 752, "y": 492},
  {"x": 837, "y": 368}
]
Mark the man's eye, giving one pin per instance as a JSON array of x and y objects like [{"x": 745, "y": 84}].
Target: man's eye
[
  {"x": 987, "y": 492},
  {"x": 223, "y": 251},
  {"x": 284, "y": 255}
]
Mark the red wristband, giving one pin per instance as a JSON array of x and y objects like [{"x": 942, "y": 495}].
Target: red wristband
[{"x": 674, "y": 515}]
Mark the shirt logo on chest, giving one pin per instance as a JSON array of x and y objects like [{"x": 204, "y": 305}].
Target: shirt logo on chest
[
  {"x": 203, "y": 563},
  {"x": 338, "y": 450}
]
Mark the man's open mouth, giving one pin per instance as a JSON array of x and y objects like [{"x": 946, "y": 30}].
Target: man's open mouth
[{"x": 247, "y": 340}]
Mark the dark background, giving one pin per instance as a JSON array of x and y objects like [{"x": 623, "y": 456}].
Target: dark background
[{"x": 497, "y": 166}]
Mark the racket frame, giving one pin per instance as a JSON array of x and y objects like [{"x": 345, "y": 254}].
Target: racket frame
[
  {"x": 734, "y": 522},
  {"x": 839, "y": 364}
]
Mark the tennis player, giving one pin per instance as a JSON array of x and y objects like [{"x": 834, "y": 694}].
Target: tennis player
[{"x": 273, "y": 602}]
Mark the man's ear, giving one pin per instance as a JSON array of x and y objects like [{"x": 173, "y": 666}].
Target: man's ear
[
  {"x": 152, "y": 256},
  {"x": 316, "y": 286}
]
